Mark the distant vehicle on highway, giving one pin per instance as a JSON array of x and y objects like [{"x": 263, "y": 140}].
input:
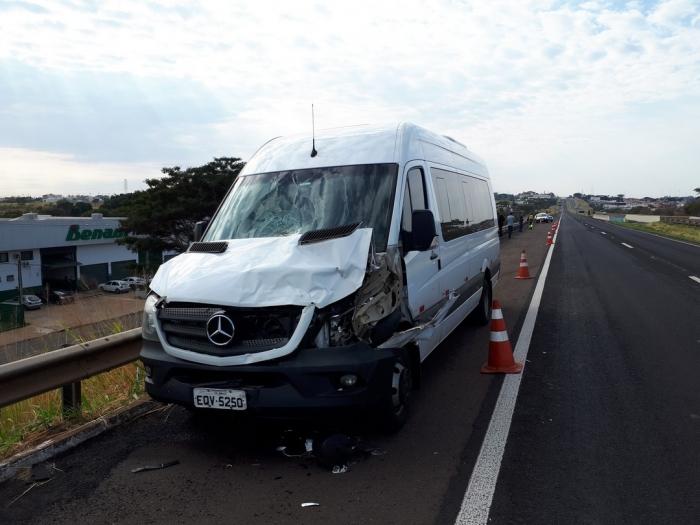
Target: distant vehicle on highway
[
  {"x": 543, "y": 217},
  {"x": 115, "y": 287},
  {"x": 31, "y": 302}
]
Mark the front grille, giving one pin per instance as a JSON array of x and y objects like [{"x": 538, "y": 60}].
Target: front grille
[{"x": 256, "y": 329}]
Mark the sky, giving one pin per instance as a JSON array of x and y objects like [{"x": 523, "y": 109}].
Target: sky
[{"x": 563, "y": 96}]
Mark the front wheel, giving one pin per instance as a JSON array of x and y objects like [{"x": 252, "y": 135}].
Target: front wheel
[
  {"x": 395, "y": 408},
  {"x": 482, "y": 313}
]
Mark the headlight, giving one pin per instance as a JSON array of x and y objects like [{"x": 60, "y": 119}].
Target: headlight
[{"x": 148, "y": 327}]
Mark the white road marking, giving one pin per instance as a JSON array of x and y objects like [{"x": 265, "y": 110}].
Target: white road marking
[
  {"x": 482, "y": 483},
  {"x": 603, "y": 233},
  {"x": 626, "y": 245},
  {"x": 696, "y": 279},
  {"x": 694, "y": 245}
]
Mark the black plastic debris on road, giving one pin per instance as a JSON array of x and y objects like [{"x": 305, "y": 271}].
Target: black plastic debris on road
[{"x": 159, "y": 466}]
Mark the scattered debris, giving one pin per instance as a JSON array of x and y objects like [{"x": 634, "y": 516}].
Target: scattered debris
[
  {"x": 335, "y": 450},
  {"x": 228, "y": 466},
  {"x": 310, "y": 504},
  {"x": 294, "y": 446},
  {"x": 43, "y": 471},
  {"x": 155, "y": 467},
  {"x": 33, "y": 485}
]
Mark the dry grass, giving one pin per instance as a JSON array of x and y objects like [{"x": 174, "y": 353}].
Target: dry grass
[
  {"x": 681, "y": 232},
  {"x": 32, "y": 420}
]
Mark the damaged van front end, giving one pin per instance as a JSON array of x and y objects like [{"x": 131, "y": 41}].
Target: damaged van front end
[
  {"x": 282, "y": 325},
  {"x": 292, "y": 334}
]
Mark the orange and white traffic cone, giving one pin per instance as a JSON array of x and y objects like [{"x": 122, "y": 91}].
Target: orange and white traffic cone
[
  {"x": 523, "y": 271},
  {"x": 500, "y": 352},
  {"x": 549, "y": 238}
]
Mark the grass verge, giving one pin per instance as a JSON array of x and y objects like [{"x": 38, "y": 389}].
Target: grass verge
[
  {"x": 34, "y": 420},
  {"x": 680, "y": 232}
]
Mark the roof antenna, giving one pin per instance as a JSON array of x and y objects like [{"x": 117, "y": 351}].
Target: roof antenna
[{"x": 313, "y": 134}]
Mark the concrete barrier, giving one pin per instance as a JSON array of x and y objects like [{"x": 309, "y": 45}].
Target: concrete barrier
[
  {"x": 642, "y": 218},
  {"x": 601, "y": 217}
]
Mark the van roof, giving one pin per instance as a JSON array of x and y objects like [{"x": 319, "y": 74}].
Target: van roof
[{"x": 363, "y": 144}]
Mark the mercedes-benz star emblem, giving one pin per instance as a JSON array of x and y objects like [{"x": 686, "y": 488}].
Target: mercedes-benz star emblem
[{"x": 220, "y": 329}]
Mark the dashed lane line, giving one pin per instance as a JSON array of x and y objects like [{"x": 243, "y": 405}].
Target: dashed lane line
[
  {"x": 696, "y": 279},
  {"x": 476, "y": 504},
  {"x": 627, "y": 245}
]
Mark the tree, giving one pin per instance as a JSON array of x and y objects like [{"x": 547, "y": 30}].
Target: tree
[
  {"x": 163, "y": 216},
  {"x": 693, "y": 207},
  {"x": 81, "y": 209}
]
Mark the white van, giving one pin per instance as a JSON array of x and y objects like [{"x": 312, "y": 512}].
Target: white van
[{"x": 330, "y": 271}]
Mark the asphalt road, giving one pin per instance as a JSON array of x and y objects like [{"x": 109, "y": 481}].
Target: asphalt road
[
  {"x": 607, "y": 424},
  {"x": 606, "y": 427}
]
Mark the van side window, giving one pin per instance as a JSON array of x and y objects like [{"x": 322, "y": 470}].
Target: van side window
[
  {"x": 464, "y": 203},
  {"x": 452, "y": 204},
  {"x": 414, "y": 198},
  {"x": 481, "y": 198},
  {"x": 417, "y": 187}
]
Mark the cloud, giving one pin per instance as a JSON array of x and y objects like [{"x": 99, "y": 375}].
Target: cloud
[
  {"x": 178, "y": 83},
  {"x": 31, "y": 172}
]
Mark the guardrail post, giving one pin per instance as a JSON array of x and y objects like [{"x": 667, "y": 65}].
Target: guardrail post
[{"x": 71, "y": 399}]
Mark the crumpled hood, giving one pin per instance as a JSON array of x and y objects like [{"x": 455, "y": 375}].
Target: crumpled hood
[{"x": 270, "y": 271}]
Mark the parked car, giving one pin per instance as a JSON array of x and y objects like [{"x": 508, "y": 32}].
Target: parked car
[
  {"x": 134, "y": 281},
  {"x": 57, "y": 297},
  {"x": 338, "y": 274},
  {"x": 31, "y": 302},
  {"x": 115, "y": 287},
  {"x": 543, "y": 217}
]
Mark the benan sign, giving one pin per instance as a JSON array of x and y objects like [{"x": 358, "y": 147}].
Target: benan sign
[{"x": 76, "y": 234}]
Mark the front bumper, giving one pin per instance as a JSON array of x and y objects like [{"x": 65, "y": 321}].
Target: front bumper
[{"x": 305, "y": 383}]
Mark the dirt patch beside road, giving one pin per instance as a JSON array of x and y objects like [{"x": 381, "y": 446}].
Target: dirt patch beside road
[{"x": 52, "y": 326}]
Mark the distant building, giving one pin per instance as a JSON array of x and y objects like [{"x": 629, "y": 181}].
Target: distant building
[
  {"x": 51, "y": 197},
  {"x": 64, "y": 252}
]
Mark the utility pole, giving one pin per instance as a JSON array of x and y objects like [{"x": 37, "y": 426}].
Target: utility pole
[{"x": 19, "y": 279}]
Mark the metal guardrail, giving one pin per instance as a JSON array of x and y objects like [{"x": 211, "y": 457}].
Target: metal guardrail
[
  {"x": 681, "y": 220},
  {"x": 66, "y": 367}
]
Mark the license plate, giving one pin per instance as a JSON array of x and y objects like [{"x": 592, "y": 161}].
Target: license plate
[{"x": 221, "y": 398}]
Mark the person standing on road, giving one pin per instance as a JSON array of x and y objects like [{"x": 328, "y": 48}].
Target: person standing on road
[
  {"x": 530, "y": 220},
  {"x": 501, "y": 220},
  {"x": 520, "y": 223},
  {"x": 510, "y": 220}
]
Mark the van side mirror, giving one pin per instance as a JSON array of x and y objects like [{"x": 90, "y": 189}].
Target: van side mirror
[
  {"x": 423, "y": 229},
  {"x": 199, "y": 229}
]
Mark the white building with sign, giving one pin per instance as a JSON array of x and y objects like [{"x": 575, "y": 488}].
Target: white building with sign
[{"x": 62, "y": 252}]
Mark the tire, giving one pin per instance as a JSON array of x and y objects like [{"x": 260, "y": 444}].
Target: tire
[
  {"x": 481, "y": 315},
  {"x": 395, "y": 408}
]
